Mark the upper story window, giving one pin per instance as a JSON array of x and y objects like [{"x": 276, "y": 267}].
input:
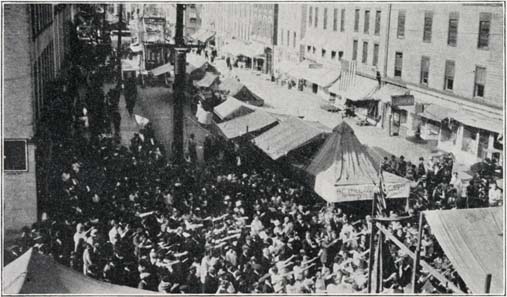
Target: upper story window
[
  {"x": 428, "y": 24},
  {"x": 310, "y": 16},
  {"x": 425, "y": 70},
  {"x": 335, "y": 19},
  {"x": 342, "y": 21},
  {"x": 356, "y": 20},
  {"x": 480, "y": 81},
  {"x": 452, "y": 35},
  {"x": 316, "y": 17},
  {"x": 375, "y": 54},
  {"x": 484, "y": 27},
  {"x": 323, "y": 53},
  {"x": 449, "y": 75},
  {"x": 325, "y": 19},
  {"x": 354, "y": 50},
  {"x": 366, "y": 22},
  {"x": 378, "y": 15},
  {"x": 398, "y": 64},
  {"x": 401, "y": 24},
  {"x": 365, "y": 52},
  {"x": 333, "y": 55}
]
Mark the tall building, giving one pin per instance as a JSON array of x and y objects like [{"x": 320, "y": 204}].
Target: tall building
[
  {"x": 35, "y": 43},
  {"x": 291, "y": 29},
  {"x": 192, "y": 18}
]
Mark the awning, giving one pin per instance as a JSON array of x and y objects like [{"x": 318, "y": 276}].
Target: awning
[
  {"x": 386, "y": 92},
  {"x": 207, "y": 81},
  {"x": 473, "y": 241},
  {"x": 162, "y": 69},
  {"x": 231, "y": 108},
  {"x": 203, "y": 35},
  {"x": 196, "y": 61},
  {"x": 316, "y": 73},
  {"x": 34, "y": 273},
  {"x": 252, "y": 122},
  {"x": 287, "y": 136},
  {"x": 136, "y": 47},
  {"x": 236, "y": 89},
  {"x": 203, "y": 117},
  {"x": 355, "y": 88},
  {"x": 435, "y": 113},
  {"x": 476, "y": 120}
]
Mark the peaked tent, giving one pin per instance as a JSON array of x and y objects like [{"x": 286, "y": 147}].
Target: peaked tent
[
  {"x": 342, "y": 170},
  {"x": 207, "y": 81},
  {"x": 239, "y": 91},
  {"x": 287, "y": 136},
  {"x": 231, "y": 108},
  {"x": 33, "y": 273},
  {"x": 252, "y": 122},
  {"x": 473, "y": 240}
]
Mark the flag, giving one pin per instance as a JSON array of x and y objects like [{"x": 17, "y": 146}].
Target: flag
[{"x": 141, "y": 121}]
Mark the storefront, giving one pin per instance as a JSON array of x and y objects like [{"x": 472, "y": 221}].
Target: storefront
[
  {"x": 357, "y": 91},
  {"x": 315, "y": 78}
]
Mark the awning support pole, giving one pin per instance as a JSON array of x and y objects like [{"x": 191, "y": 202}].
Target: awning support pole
[
  {"x": 417, "y": 253},
  {"x": 372, "y": 237},
  {"x": 487, "y": 286}
]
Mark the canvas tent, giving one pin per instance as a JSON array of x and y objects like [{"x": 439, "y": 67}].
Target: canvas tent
[
  {"x": 287, "y": 136},
  {"x": 342, "y": 170},
  {"x": 207, "y": 81},
  {"x": 252, "y": 122},
  {"x": 473, "y": 240},
  {"x": 33, "y": 273},
  {"x": 236, "y": 89},
  {"x": 231, "y": 108}
]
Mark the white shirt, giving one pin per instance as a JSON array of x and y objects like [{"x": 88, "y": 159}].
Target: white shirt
[{"x": 112, "y": 235}]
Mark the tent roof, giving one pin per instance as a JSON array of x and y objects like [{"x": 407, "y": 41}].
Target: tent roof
[
  {"x": 287, "y": 136},
  {"x": 33, "y": 273},
  {"x": 231, "y": 108},
  {"x": 231, "y": 85},
  {"x": 240, "y": 91},
  {"x": 473, "y": 240},
  {"x": 344, "y": 171},
  {"x": 251, "y": 122},
  {"x": 208, "y": 80}
]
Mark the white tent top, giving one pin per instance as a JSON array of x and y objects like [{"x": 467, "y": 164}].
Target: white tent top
[
  {"x": 33, "y": 273},
  {"x": 250, "y": 122},
  {"x": 473, "y": 240},
  {"x": 231, "y": 108}
]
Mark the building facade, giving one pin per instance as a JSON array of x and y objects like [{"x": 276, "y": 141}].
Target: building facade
[
  {"x": 35, "y": 43},
  {"x": 291, "y": 29}
]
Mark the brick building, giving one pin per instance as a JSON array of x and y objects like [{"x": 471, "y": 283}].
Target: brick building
[{"x": 34, "y": 47}]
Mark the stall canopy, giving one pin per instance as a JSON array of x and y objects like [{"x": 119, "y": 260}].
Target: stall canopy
[
  {"x": 136, "y": 48},
  {"x": 252, "y": 122},
  {"x": 203, "y": 116},
  {"x": 231, "y": 108},
  {"x": 316, "y": 73},
  {"x": 342, "y": 170},
  {"x": 162, "y": 69},
  {"x": 203, "y": 35},
  {"x": 207, "y": 81},
  {"x": 355, "y": 87},
  {"x": 287, "y": 136},
  {"x": 196, "y": 61},
  {"x": 473, "y": 241},
  {"x": 239, "y": 91},
  {"x": 33, "y": 273}
]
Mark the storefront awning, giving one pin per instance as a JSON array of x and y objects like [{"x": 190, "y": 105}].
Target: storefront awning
[
  {"x": 355, "y": 87},
  {"x": 162, "y": 69},
  {"x": 475, "y": 120},
  {"x": 435, "y": 112},
  {"x": 316, "y": 73},
  {"x": 386, "y": 92}
]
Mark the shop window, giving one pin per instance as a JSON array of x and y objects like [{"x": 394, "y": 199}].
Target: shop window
[
  {"x": 484, "y": 26},
  {"x": 15, "y": 155},
  {"x": 401, "y": 24},
  {"x": 428, "y": 24},
  {"x": 452, "y": 36},
  {"x": 449, "y": 75},
  {"x": 294, "y": 40},
  {"x": 398, "y": 64},
  {"x": 403, "y": 116},
  {"x": 425, "y": 70},
  {"x": 480, "y": 81}
]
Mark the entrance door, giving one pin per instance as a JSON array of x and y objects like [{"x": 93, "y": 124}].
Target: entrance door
[
  {"x": 395, "y": 123},
  {"x": 315, "y": 88}
]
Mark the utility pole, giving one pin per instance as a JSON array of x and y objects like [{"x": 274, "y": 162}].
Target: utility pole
[
  {"x": 179, "y": 85},
  {"x": 120, "y": 20}
]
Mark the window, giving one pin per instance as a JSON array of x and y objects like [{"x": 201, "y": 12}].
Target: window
[
  {"x": 452, "y": 36},
  {"x": 401, "y": 24},
  {"x": 333, "y": 55},
  {"x": 325, "y": 19},
  {"x": 398, "y": 64},
  {"x": 354, "y": 50},
  {"x": 340, "y": 55},
  {"x": 356, "y": 21},
  {"x": 480, "y": 81},
  {"x": 335, "y": 19},
  {"x": 375, "y": 54},
  {"x": 365, "y": 52},
  {"x": 366, "y": 22},
  {"x": 449, "y": 75},
  {"x": 313, "y": 49},
  {"x": 316, "y": 17},
  {"x": 484, "y": 24},
  {"x": 378, "y": 15},
  {"x": 294, "y": 40},
  {"x": 308, "y": 48},
  {"x": 15, "y": 155},
  {"x": 342, "y": 21},
  {"x": 428, "y": 23},
  {"x": 323, "y": 53},
  {"x": 288, "y": 38},
  {"x": 425, "y": 70},
  {"x": 310, "y": 17}
]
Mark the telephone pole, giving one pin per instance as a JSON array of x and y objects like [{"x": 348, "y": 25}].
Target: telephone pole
[{"x": 120, "y": 20}]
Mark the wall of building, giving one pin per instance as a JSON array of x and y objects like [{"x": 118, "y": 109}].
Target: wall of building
[
  {"x": 290, "y": 18},
  {"x": 438, "y": 51},
  {"x": 20, "y": 201}
]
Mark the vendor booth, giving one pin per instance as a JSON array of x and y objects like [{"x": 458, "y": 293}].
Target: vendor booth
[{"x": 342, "y": 171}]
